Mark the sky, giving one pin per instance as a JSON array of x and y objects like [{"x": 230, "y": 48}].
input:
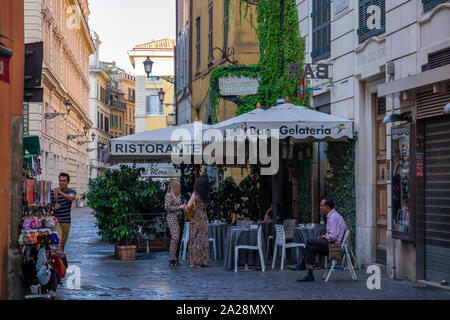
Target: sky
[{"x": 123, "y": 24}]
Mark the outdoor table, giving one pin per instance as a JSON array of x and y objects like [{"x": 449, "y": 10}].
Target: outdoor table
[
  {"x": 267, "y": 229},
  {"x": 218, "y": 231},
  {"x": 241, "y": 236},
  {"x": 302, "y": 234}
]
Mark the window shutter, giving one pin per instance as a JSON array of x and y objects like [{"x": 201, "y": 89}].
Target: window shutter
[
  {"x": 364, "y": 31},
  {"x": 321, "y": 16},
  {"x": 430, "y": 4}
]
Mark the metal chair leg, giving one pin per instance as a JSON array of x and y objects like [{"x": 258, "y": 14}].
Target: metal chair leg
[
  {"x": 274, "y": 258},
  {"x": 261, "y": 258},
  {"x": 236, "y": 256}
]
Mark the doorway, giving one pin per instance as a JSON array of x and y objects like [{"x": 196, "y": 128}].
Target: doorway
[{"x": 382, "y": 177}]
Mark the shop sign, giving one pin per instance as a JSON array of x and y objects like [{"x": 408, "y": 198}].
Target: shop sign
[
  {"x": 311, "y": 71},
  {"x": 26, "y": 118},
  {"x": 419, "y": 164},
  {"x": 4, "y": 69},
  {"x": 238, "y": 86}
]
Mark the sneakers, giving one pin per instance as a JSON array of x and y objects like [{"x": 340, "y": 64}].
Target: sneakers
[{"x": 306, "y": 279}]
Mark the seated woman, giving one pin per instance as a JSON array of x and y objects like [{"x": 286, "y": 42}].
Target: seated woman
[{"x": 280, "y": 215}]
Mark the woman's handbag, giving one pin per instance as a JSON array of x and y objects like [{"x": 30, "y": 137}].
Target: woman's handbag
[
  {"x": 334, "y": 251},
  {"x": 188, "y": 215}
]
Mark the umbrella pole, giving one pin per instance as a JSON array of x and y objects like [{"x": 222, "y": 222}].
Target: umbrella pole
[{"x": 274, "y": 199}]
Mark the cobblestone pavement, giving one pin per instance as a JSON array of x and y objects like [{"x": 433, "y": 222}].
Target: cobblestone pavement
[{"x": 105, "y": 278}]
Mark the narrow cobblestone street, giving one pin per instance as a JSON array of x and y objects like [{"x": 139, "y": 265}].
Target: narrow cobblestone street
[{"x": 105, "y": 278}]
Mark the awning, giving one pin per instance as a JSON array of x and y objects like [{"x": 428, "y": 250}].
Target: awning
[
  {"x": 300, "y": 123},
  {"x": 32, "y": 145},
  {"x": 158, "y": 145}
]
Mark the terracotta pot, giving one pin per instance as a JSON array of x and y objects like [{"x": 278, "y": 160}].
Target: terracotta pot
[
  {"x": 158, "y": 244},
  {"x": 125, "y": 253}
]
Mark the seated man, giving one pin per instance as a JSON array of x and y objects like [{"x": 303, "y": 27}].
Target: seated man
[{"x": 335, "y": 232}]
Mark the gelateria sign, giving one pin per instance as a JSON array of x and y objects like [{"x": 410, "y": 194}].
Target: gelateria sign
[
  {"x": 317, "y": 131},
  {"x": 238, "y": 86}
]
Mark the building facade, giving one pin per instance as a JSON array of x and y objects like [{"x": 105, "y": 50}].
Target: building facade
[
  {"x": 63, "y": 28},
  {"x": 99, "y": 113},
  {"x": 150, "y": 112},
  {"x": 182, "y": 61},
  {"x": 217, "y": 27},
  {"x": 12, "y": 55},
  {"x": 371, "y": 45}
]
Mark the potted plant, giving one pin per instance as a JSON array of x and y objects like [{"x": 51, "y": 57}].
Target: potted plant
[{"x": 117, "y": 197}]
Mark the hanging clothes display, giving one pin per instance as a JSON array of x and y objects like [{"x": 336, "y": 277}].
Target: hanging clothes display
[{"x": 43, "y": 262}]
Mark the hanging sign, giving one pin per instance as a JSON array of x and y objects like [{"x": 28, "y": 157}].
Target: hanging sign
[
  {"x": 4, "y": 69},
  {"x": 238, "y": 86},
  {"x": 26, "y": 118}
]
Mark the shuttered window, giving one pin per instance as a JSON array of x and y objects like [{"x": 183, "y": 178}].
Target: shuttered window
[
  {"x": 197, "y": 43},
  {"x": 210, "y": 33},
  {"x": 321, "y": 19},
  {"x": 430, "y": 4},
  {"x": 372, "y": 18}
]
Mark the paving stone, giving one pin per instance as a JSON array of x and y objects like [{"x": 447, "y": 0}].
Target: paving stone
[{"x": 103, "y": 277}]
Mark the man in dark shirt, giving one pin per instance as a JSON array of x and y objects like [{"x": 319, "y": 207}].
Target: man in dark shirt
[{"x": 62, "y": 198}]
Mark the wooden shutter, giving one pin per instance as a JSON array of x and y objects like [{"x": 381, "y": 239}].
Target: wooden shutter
[
  {"x": 430, "y": 4},
  {"x": 364, "y": 32},
  {"x": 321, "y": 17}
]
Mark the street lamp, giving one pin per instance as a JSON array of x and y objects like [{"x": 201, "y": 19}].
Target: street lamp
[
  {"x": 161, "y": 95},
  {"x": 148, "y": 64},
  {"x": 49, "y": 116},
  {"x": 394, "y": 117},
  {"x": 447, "y": 108},
  {"x": 93, "y": 136}
]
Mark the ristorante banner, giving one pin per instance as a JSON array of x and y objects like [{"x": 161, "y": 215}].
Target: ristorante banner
[{"x": 154, "y": 149}]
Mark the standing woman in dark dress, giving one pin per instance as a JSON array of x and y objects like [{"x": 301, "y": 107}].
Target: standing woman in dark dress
[
  {"x": 198, "y": 233},
  {"x": 173, "y": 205}
]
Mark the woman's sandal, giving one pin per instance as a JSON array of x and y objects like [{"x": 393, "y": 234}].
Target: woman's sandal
[{"x": 172, "y": 263}]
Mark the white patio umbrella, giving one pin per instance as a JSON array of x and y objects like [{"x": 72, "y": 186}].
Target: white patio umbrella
[
  {"x": 300, "y": 123},
  {"x": 157, "y": 145}
]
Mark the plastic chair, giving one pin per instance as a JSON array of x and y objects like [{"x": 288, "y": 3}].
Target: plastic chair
[
  {"x": 214, "y": 247},
  {"x": 184, "y": 241},
  {"x": 345, "y": 261},
  {"x": 289, "y": 225},
  {"x": 244, "y": 223},
  {"x": 280, "y": 240},
  {"x": 257, "y": 247}
]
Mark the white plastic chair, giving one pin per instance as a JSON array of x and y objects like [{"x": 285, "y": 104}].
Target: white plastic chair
[
  {"x": 214, "y": 247},
  {"x": 244, "y": 223},
  {"x": 346, "y": 260},
  {"x": 184, "y": 241},
  {"x": 280, "y": 240},
  {"x": 289, "y": 225},
  {"x": 257, "y": 247}
]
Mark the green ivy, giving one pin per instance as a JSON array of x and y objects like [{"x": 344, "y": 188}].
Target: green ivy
[
  {"x": 272, "y": 70},
  {"x": 302, "y": 164},
  {"x": 341, "y": 183}
]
